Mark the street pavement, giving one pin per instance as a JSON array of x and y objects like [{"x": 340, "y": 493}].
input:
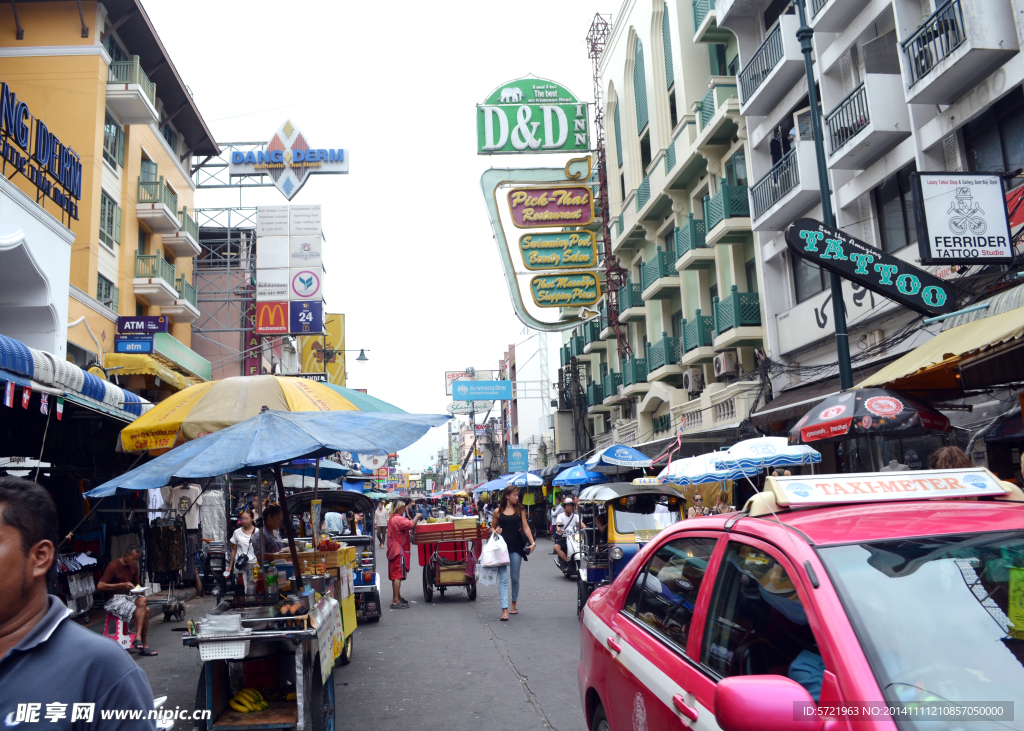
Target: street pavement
[{"x": 449, "y": 664}]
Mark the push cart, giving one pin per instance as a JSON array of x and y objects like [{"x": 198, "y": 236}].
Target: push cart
[{"x": 445, "y": 550}]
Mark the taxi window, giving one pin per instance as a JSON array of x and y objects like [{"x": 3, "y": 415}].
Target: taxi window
[
  {"x": 664, "y": 594},
  {"x": 756, "y": 623}
]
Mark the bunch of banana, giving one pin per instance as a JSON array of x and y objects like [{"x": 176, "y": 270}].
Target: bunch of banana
[{"x": 248, "y": 700}]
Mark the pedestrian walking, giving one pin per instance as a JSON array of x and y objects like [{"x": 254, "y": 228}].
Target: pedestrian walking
[
  {"x": 398, "y": 560},
  {"x": 510, "y": 523},
  {"x": 380, "y": 522},
  {"x": 36, "y": 635},
  {"x": 949, "y": 458},
  {"x": 119, "y": 578},
  {"x": 242, "y": 555}
]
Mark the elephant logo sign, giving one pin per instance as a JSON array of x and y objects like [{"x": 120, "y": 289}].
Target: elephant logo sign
[{"x": 511, "y": 94}]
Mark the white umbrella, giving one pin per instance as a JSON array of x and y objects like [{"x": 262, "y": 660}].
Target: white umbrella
[
  {"x": 525, "y": 479},
  {"x": 759, "y": 454},
  {"x": 703, "y": 469}
]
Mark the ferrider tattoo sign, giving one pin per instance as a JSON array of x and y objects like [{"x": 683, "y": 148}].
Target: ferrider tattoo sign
[
  {"x": 961, "y": 217},
  {"x": 531, "y": 115},
  {"x": 869, "y": 267}
]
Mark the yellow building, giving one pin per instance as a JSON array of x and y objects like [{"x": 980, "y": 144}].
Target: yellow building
[{"x": 100, "y": 78}]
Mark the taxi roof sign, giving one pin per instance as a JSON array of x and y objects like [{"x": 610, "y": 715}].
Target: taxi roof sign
[
  {"x": 647, "y": 481},
  {"x": 875, "y": 487}
]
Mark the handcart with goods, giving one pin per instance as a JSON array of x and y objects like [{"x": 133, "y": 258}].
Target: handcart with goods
[{"x": 448, "y": 553}]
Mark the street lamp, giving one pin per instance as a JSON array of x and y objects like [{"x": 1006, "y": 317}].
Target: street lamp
[{"x": 361, "y": 358}]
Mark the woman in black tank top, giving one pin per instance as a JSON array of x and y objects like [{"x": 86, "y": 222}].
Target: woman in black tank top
[{"x": 510, "y": 523}]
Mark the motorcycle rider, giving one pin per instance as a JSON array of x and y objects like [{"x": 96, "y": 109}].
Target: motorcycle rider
[{"x": 565, "y": 523}]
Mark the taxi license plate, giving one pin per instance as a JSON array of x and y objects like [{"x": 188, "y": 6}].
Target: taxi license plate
[{"x": 643, "y": 536}]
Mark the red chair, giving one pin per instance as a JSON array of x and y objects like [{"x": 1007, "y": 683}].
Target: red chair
[{"x": 114, "y": 628}]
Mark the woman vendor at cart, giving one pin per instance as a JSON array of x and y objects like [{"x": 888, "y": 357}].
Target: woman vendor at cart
[{"x": 268, "y": 536}]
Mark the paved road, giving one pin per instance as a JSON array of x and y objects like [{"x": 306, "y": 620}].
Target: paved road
[{"x": 449, "y": 664}]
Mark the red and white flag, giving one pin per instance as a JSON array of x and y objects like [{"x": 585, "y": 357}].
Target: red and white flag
[
  {"x": 44, "y": 403},
  {"x": 9, "y": 395},
  {"x": 26, "y": 395},
  {"x": 60, "y": 407}
]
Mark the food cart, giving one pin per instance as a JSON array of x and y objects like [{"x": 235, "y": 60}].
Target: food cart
[{"x": 448, "y": 552}]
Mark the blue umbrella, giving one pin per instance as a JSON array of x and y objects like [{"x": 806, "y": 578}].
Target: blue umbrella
[
  {"x": 525, "y": 479},
  {"x": 578, "y": 476},
  {"x": 328, "y": 470},
  {"x": 618, "y": 455},
  {"x": 498, "y": 484},
  {"x": 272, "y": 437}
]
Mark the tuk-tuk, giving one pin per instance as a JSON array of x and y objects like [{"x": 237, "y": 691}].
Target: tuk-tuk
[
  {"x": 367, "y": 581},
  {"x": 617, "y": 519}
]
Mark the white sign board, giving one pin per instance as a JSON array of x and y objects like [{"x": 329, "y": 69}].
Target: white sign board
[
  {"x": 871, "y": 487},
  {"x": 466, "y": 407},
  {"x": 961, "y": 217},
  {"x": 271, "y": 221},
  {"x": 451, "y": 376},
  {"x": 306, "y": 284},
  {"x": 272, "y": 284},
  {"x": 306, "y": 251},
  {"x": 305, "y": 221},
  {"x": 272, "y": 252}
]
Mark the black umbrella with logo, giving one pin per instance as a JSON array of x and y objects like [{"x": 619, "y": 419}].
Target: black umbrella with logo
[{"x": 866, "y": 412}]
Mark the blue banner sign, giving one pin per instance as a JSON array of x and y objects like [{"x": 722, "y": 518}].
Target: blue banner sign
[
  {"x": 133, "y": 344},
  {"x": 518, "y": 458},
  {"x": 157, "y": 324},
  {"x": 482, "y": 391}
]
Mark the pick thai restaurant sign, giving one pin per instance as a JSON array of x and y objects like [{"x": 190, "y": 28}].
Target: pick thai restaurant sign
[
  {"x": 580, "y": 289},
  {"x": 564, "y": 250},
  {"x": 961, "y": 217},
  {"x": 531, "y": 115},
  {"x": 551, "y": 207},
  {"x": 872, "y": 268}
]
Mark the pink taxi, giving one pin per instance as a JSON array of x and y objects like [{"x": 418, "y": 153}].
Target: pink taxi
[{"x": 831, "y": 602}]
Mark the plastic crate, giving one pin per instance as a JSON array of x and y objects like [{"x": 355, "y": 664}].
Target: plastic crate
[{"x": 231, "y": 650}]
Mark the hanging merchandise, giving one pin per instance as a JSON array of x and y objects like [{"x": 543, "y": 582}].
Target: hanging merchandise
[{"x": 166, "y": 546}]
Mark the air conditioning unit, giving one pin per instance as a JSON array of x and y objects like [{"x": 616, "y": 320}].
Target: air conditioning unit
[
  {"x": 726, "y": 364},
  {"x": 693, "y": 380}
]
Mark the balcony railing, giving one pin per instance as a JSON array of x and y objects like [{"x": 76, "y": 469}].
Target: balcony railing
[
  {"x": 936, "y": 38},
  {"x": 129, "y": 72},
  {"x": 188, "y": 225},
  {"x": 850, "y": 117},
  {"x": 643, "y": 193},
  {"x": 634, "y": 370},
  {"x": 762, "y": 62},
  {"x": 154, "y": 191},
  {"x": 664, "y": 352},
  {"x": 816, "y": 6},
  {"x": 595, "y": 395},
  {"x": 186, "y": 291},
  {"x": 660, "y": 266},
  {"x": 620, "y": 224},
  {"x": 670, "y": 157},
  {"x": 610, "y": 384},
  {"x": 698, "y": 332},
  {"x": 715, "y": 97},
  {"x": 689, "y": 236},
  {"x": 729, "y": 202},
  {"x": 154, "y": 265},
  {"x": 630, "y": 296},
  {"x": 563, "y": 356},
  {"x": 576, "y": 344},
  {"x": 739, "y": 309},
  {"x": 781, "y": 179},
  {"x": 701, "y": 8},
  {"x": 592, "y": 331}
]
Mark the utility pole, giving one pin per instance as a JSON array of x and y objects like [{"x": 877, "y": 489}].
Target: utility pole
[{"x": 804, "y": 34}]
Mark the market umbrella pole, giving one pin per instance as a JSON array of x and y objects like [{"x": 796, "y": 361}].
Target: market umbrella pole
[{"x": 289, "y": 531}]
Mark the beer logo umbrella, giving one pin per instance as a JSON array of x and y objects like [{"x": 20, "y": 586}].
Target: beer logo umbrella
[{"x": 866, "y": 412}]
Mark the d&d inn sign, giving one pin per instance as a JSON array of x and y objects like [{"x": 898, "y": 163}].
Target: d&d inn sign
[
  {"x": 872, "y": 268},
  {"x": 58, "y": 172},
  {"x": 531, "y": 115}
]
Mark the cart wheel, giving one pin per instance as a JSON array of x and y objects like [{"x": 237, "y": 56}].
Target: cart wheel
[
  {"x": 583, "y": 590},
  {"x": 471, "y": 590},
  {"x": 372, "y": 620},
  {"x": 346, "y": 652},
  {"x": 322, "y": 700},
  {"x": 428, "y": 590},
  {"x": 441, "y": 589}
]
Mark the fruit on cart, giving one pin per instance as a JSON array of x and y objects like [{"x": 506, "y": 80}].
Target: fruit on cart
[
  {"x": 290, "y": 697},
  {"x": 248, "y": 700},
  {"x": 433, "y": 520},
  {"x": 328, "y": 545}
]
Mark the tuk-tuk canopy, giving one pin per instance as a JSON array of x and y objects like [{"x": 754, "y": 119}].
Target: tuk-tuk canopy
[{"x": 615, "y": 490}]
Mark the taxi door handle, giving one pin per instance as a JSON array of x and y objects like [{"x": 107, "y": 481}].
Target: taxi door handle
[
  {"x": 613, "y": 645},
  {"x": 680, "y": 703}
]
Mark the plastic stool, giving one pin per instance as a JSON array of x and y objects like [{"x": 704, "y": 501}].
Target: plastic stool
[{"x": 114, "y": 628}]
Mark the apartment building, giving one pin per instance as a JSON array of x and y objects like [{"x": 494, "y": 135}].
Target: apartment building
[
  {"x": 527, "y": 417},
  {"x": 691, "y": 311},
  {"x": 905, "y": 85},
  {"x": 101, "y": 78}
]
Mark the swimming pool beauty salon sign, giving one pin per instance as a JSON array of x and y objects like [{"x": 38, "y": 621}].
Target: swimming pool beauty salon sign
[
  {"x": 531, "y": 115},
  {"x": 872, "y": 268}
]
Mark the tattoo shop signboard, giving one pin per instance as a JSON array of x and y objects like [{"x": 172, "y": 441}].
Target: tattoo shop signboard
[
  {"x": 961, "y": 217},
  {"x": 869, "y": 267},
  {"x": 531, "y": 115}
]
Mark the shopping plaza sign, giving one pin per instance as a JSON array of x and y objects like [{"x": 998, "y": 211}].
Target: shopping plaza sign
[
  {"x": 289, "y": 159},
  {"x": 869, "y": 267},
  {"x": 531, "y": 115}
]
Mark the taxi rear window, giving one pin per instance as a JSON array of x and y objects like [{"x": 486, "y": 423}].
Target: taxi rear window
[{"x": 939, "y": 618}]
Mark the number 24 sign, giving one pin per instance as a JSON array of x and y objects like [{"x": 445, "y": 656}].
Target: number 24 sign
[{"x": 306, "y": 317}]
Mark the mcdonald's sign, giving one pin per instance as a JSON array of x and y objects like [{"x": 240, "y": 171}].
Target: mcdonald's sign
[{"x": 271, "y": 318}]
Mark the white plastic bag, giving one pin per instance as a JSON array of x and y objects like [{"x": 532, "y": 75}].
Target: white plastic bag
[
  {"x": 495, "y": 552},
  {"x": 486, "y": 576}
]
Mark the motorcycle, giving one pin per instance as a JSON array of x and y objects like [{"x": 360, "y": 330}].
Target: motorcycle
[{"x": 572, "y": 552}]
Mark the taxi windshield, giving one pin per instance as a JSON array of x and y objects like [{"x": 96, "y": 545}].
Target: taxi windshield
[
  {"x": 940, "y": 617},
  {"x": 645, "y": 512}
]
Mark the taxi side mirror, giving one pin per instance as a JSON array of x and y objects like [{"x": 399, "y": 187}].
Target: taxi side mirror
[{"x": 765, "y": 703}]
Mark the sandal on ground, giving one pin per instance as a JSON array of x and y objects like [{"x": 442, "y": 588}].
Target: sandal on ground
[
  {"x": 403, "y": 603},
  {"x": 147, "y": 652},
  {"x": 513, "y": 611},
  {"x": 137, "y": 645}
]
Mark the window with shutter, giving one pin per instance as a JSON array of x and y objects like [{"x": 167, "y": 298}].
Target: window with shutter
[
  {"x": 110, "y": 221},
  {"x": 640, "y": 87},
  {"x": 117, "y": 224},
  {"x": 113, "y": 142},
  {"x": 149, "y": 171},
  {"x": 667, "y": 39},
  {"x": 618, "y": 136}
]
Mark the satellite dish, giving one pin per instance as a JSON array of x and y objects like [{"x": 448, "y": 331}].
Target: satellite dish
[{"x": 373, "y": 461}]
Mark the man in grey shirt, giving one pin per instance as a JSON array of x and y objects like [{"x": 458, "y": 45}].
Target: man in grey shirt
[{"x": 94, "y": 675}]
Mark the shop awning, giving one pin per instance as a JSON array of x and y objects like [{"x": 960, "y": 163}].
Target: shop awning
[
  {"x": 977, "y": 354},
  {"x": 22, "y": 381},
  {"x": 145, "y": 365}
]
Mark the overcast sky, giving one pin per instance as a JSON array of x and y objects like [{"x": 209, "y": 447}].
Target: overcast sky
[{"x": 409, "y": 253}]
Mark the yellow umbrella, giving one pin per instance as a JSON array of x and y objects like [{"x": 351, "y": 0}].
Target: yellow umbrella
[{"x": 209, "y": 407}]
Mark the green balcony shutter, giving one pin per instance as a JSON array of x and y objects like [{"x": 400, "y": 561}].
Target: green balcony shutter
[
  {"x": 640, "y": 87},
  {"x": 667, "y": 39},
  {"x": 618, "y": 136},
  {"x": 120, "y": 146},
  {"x": 117, "y": 224}
]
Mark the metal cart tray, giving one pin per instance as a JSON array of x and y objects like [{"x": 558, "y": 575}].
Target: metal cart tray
[
  {"x": 449, "y": 535},
  {"x": 281, "y": 714}
]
